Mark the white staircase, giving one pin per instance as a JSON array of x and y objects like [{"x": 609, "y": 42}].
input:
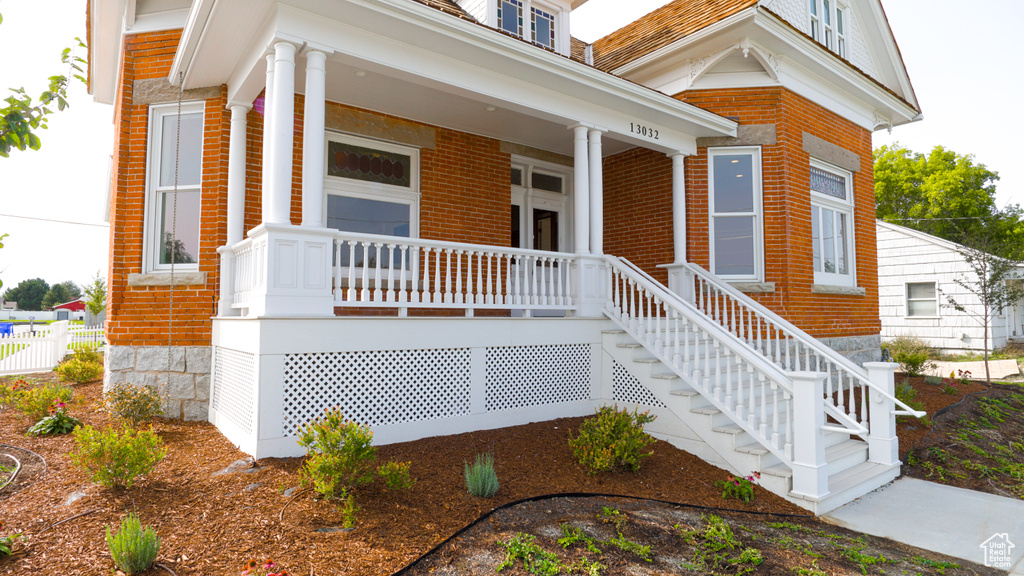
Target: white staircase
[{"x": 821, "y": 432}]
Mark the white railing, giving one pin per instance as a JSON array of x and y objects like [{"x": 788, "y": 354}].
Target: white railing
[
  {"x": 246, "y": 276},
  {"x": 85, "y": 337},
  {"x": 395, "y": 272},
  {"x": 847, "y": 387},
  {"x": 27, "y": 352}
]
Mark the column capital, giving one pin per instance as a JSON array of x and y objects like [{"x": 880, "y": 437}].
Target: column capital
[
  {"x": 315, "y": 59},
  {"x": 677, "y": 156},
  {"x": 243, "y": 107}
]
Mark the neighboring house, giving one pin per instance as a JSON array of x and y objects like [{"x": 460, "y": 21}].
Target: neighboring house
[
  {"x": 5, "y": 305},
  {"x": 916, "y": 275},
  {"x": 74, "y": 310},
  {"x": 445, "y": 216}
]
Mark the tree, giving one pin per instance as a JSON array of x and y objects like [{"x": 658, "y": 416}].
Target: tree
[
  {"x": 988, "y": 282},
  {"x": 28, "y": 294},
  {"x": 96, "y": 295},
  {"x": 21, "y": 119},
  {"x": 61, "y": 293},
  {"x": 2, "y": 236},
  {"x": 944, "y": 194}
]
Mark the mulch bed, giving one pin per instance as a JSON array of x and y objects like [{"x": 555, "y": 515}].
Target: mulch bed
[{"x": 911, "y": 430}]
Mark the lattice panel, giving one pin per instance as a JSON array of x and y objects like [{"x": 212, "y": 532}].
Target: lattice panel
[
  {"x": 376, "y": 387},
  {"x": 626, "y": 389},
  {"x": 521, "y": 376},
  {"x": 234, "y": 376}
]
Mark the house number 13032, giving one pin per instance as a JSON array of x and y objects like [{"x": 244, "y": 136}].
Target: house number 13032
[{"x": 643, "y": 130}]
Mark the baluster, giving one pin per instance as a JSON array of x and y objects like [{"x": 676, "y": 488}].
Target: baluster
[
  {"x": 789, "y": 423},
  {"x": 448, "y": 293},
  {"x": 764, "y": 409},
  {"x": 459, "y": 297},
  {"x": 438, "y": 287},
  {"x": 403, "y": 253},
  {"x": 378, "y": 293},
  {"x": 865, "y": 415},
  {"x": 560, "y": 266},
  {"x": 490, "y": 277},
  {"x": 389, "y": 296},
  {"x": 616, "y": 303},
  {"x": 364, "y": 290},
  {"x": 852, "y": 399},
  {"x": 351, "y": 271},
  {"x": 775, "y": 415},
  {"x": 675, "y": 336},
  {"x": 751, "y": 413},
  {"x": 532, "y": 265},
  {"x": 509, "y": 296},
  {"x": 516, "y": 295},
  {"x": 542, "y": 291},
  {"x": 426, "y": 276},
  {"x": 657, "y": 322},
  {"x": 478, "y": 297}
]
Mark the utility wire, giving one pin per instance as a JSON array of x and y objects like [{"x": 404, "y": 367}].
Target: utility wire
[{"x": 58, "y": 221}]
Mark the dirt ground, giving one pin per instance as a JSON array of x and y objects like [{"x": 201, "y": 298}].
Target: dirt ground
[{"x": 214, "y": 523}]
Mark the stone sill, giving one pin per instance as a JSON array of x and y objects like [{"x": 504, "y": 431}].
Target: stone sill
[
  {"x": 164, "y": 279},
  {"x": 754, "y": 287},
  {"x": 838, "y": 290}
]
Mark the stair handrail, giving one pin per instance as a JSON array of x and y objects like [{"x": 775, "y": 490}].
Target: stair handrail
[
  {"x": 800, "y": 336},
  {"x": 735, "y": 344}
]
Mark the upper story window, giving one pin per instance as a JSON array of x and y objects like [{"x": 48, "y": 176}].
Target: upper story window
[
  {"x": 510, "y": 16},
  {"x": 832, "y": 225},
  {"x": 543, "y": 21},
  {"x": 174, "y": 187},
  {"x": 734, "y": 189},
  {"x": 828, "y": 24}
]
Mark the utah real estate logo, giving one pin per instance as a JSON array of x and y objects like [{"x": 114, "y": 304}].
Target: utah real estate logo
[{"x": 997, "y": 551}]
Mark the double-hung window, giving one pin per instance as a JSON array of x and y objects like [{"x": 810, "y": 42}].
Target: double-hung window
[
  {"x": 734, "y": 190},
  {"x": 922, "y": 299},
  {"x": 832, "y": 225},
  {"x": 828, "y": 20},
  {"x": 530, "y": 20},
  {"x": 174, "y": 187}
]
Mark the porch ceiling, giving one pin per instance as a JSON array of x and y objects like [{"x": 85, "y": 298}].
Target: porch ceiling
[{"x": 430, "y": 67}]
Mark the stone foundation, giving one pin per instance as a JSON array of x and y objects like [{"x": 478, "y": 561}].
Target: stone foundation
[
  {"x": 182, "y": 376},
  {"x": 859, "y": 349}
]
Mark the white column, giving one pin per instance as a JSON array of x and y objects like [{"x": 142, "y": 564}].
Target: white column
[
  {"x": 810, "y": 473},
  {"x": 236, "y": 173},
  {"x": 313, "y": 139},
  {"x": 282, "y": 121},
  {"x": 596, "y": 194},
  {"x": 883, "y": 444},
  {"x": 267, "y": 173},
  {"x": 679, "y": 208},
  {"x": 581, "y": 190}
]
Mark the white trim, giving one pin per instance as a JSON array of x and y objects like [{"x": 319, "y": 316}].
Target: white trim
[
  {"x": 528, "y": 198},
  {"x": 845, "y": 207},
  {"x": 151, "y": 223},
  {"x": 757, "y": 213}
]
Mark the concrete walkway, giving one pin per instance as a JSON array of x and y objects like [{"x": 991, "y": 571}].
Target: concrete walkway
[
  {"x": 998, "y": 368},
  {"x": 940, "y": 518}
]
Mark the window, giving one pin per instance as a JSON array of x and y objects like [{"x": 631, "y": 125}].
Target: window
[
  {"x": 832, "y": 225},
  {"x": 922, "y": 299},
  {"x": 543, "y": 23},
  {"x": 734, "y": 186},
  {"x": 840, "y": 32},
  {"x": 371, "y": 188},
  {"x": 828, "y": 21},
  {"x": 539, "y": 209},
  {"x": 174, "y": 187}
]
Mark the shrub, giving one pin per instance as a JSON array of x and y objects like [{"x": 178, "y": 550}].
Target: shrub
[
  {"x": 10, "y": 394},
  {"x": 115, "y": 458},
  {"x": 90, "y": 355},
  {"x": 78, "y": 371},
  {"x": 911, "y": 353},
  {"x": 58, "y": 422},
  {"x": 339, "y": 454},
  {"x": 739, "y": 487},
  {"x": 481, "y": 479},
  {"x": 395, "y": 475},
  {"x": 134, "y": 548},
  {"x": 131, "y": 403},
  {"x": 612, "y": 439},
  {"x": 36, "y": 402}
]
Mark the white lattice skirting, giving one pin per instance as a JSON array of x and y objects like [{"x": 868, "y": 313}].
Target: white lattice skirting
[{"x": 234, "y": 378}]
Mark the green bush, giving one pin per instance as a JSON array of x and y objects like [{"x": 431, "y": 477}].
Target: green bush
[
  {"x": 58, "y": 422},
  {"x": 339, "y": 455},
  {"x": 78, "y": 371},
  {"x": 115, "y": 458},
  {"x": 133, "y": 548},
  {"x": 36, "y": 402},
  {"x": 612, "y": 439},
  {"x": 912, "y": 354},
  {"x": 481, "y": 479},
  {"x": 396, "y": 475},
  {"x": 133, "y": 404},
  {"x": 90, "y": 355}
]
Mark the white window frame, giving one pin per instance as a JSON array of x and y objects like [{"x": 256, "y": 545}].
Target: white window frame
[
  {"x": 824, "y": 24},
  {"x": 846, "y": 207},
  {"x": 907, "y": 299},
  {"x": 757, "y": 213},
  {"x": 528, "y": 6},
  {"x": 152, "y": 243},
  {"x": 842, "y": 24},
  {"x": 528, "y": 198}
]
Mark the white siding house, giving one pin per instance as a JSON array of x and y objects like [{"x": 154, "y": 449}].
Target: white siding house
[{"x": 916, "y": 274}]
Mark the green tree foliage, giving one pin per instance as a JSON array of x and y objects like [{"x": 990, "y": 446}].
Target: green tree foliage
[
  {"x": 28, "y": 294},
  {"x": 21, "y": 118},
  {"x": 2, "y": 236},
  {"x": 96, "y": 295},
  {"x": 60, "y": 293},
  {"x": 944, "y": 194}
]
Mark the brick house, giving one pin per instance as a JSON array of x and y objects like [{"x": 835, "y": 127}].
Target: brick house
[{"x": 447, "y": 215}]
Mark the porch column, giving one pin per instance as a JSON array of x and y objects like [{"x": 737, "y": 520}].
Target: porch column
[
  {"x": 313, "y": 139},
  {"x": 267, "y": 172},
  {"x": 679, "y": 281},
  {"x": 596, "y": 194},
  {"x": 236, "y": 173},
  {"x": 282, "y": 121},
  {"x": 581, "y": 190}
]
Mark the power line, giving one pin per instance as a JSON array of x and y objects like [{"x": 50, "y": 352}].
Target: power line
[
  {"x": 57, "y": 221},
  {"x": 950, "y": 218}
]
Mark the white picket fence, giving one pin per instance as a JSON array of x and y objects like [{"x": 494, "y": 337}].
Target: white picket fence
[{"x": 40, "y": 351}]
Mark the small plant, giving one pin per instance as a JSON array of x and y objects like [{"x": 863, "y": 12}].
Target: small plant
[
  {"x": 116, "y": 459},
  {"x": 268, "y": 568},
  {"x": 912, "y": 354},
  {"x": 481, "y": 479},
  {"x": 585, "y": 567},
  {"x": 35, "y": 402},
  {"x": 58, "y": 422},
  {"x": 78, "y": 371},
  {"x": 133, "y": 548},
  {"x": 396, "y": 475},
  {"x": 7, "y": 542},
  {"x": 715, "y": 543},
  {"x": 739, "y": 487},
  {"x": 348, "y": 508},
  {"x": 340, "y": 455},
  {"x": 10, "y": 394},
  {"x": 908, "y": 395},
  {"x": 132, "y": 404},
  {"x": 89, "y": 355},
  {"x": 536, "y": 560},
  {"x": 612, "y": 439}
]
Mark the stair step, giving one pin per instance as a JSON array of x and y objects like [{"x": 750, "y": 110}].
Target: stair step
[
  {"x": 685, "y": 392},
  {"x": 780, "y": 470},
  {"x": 616, "y": 332},
  {"x": 733, "y": 429},
  {"x": 754, "y": 448}
]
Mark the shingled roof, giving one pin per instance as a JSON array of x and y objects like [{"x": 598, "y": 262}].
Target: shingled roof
[
  {"x": 662, "y": 27},
  {"x": 448, "y": 7}
]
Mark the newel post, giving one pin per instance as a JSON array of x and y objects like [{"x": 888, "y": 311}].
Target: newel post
[
  {"x": 883, "y": 444},
  {"x": 810, "y": 473}
]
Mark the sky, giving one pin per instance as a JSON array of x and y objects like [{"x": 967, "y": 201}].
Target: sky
[{"x": 957, "y": 59}]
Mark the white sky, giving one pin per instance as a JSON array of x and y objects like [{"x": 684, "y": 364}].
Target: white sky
[{"x": 957, "y": 59}]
